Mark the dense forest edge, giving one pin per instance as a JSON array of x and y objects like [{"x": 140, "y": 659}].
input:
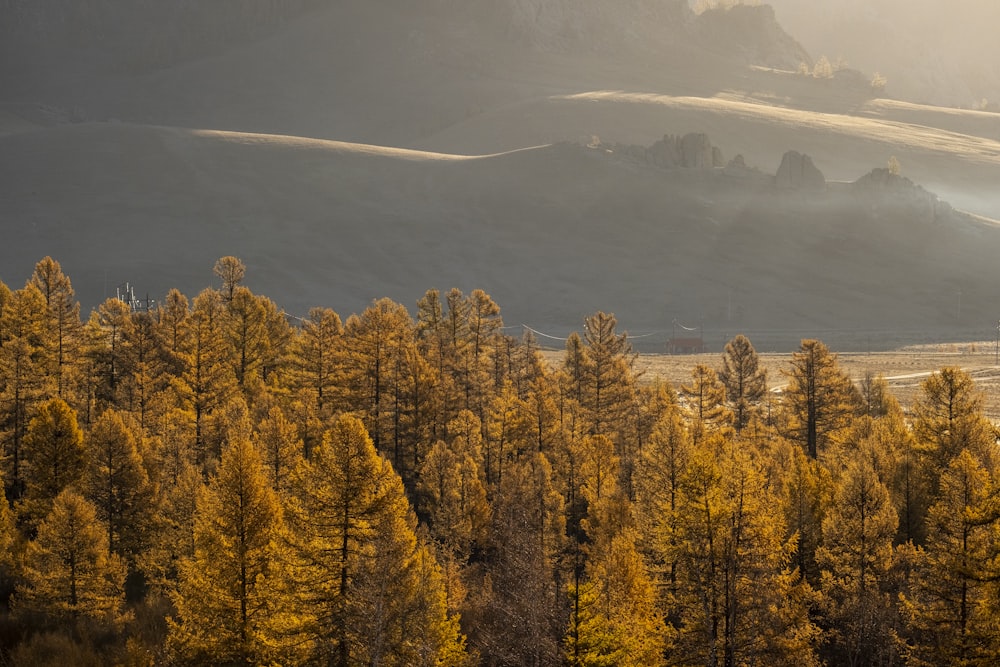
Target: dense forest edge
[{"x": 211, "y": 481}]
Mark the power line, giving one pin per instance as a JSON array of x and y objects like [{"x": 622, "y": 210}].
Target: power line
[{"x": 544, "y": 335}]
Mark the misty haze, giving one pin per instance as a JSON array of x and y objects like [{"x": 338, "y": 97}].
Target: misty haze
[{"x": 482, "y": 312}]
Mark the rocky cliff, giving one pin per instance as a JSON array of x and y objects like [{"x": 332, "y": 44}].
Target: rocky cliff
[{"x": 751, "y": 34}]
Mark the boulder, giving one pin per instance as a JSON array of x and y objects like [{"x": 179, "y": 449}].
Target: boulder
[{"x": 797, "y": 172}]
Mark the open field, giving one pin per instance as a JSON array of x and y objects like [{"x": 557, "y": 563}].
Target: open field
[{"x": 905, "y": 369}]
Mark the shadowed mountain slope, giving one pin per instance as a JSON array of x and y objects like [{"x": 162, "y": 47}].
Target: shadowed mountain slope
[
  {"x": 95, "y": 170},
  {"x": 553, "y": 233}
]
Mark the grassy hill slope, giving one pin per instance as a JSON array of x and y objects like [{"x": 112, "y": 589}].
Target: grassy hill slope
[{"x": 553, "y": 233}]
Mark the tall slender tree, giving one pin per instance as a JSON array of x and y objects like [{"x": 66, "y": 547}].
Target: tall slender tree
[
  {"x": 607, "y": 373},
  {"x": 231, "y": 271},
  {"x": 21, "y": 359},
  {"x": 280, "y": 448},
  {"x": 855, "y": 559},
  {"x": 952, "y": 620},
  {"x": 226, "y": 598},
  {"x": 375, "y": 343},
  {"x": 350, "y": 524},
  {"x": 948, "y": 417},
  {"x": 63, "y": 330},
  {"x": 54, "y": 457},
  {"x": 820, "y": 399},
  {"x": 69, "y": 573},
  {"x": 706, "y": 400},
  {"x": 744, "y": 379},
  {"x": 117, "y": 484}
]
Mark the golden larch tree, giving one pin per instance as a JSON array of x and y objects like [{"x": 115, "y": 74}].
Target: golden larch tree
[
  {"x": 69, "y": 573},
  {"x": 225, "y": 598},
  {"x": 349, "y": 524}
]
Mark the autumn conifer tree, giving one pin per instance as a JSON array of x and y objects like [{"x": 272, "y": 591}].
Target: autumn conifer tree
[
  {"x": 453, "y": 500},
  {"x": 949, "y": 604},
  {"x": 146, "y": 373},
  {"x": 8, "y": 535},
  {"x": 435, "y": 345},
  {"x": 876, "y": 399},
  {"x": 54, "y": 456},
  {"x": 855, "y": 559},
  {"x": 69, "y": 573},
  {"x": 504, "y": 435},
  {"x": 819, "y": 399},
  {"x": 658, "y": 478},
  {"x": 948, "y": 417},
  {"x": 744, "y": 379},
  {"x": 171, "y": 317},
  {"x": 63, "y": 328},
  {"x": 226, "y": 600},
  {"x": 231, "y": 271},
  {"x": 280, "y": 448},
  {"x": 375, "y": 342},
  {"x": 607, "y": 374},
  {"x": 206, "y": 381},
  {"x": 350, "y": 524},
  {"x": 738, "y": 599},
  {"x": 106, "y": 331},
  {"x": 245, "y": 329},
  {"x": 516, "y": 615},
  {"x": 807, "y": 495},
  {"x": 21, "y": 361},
  {"x": 484, "y": 327},
  {"x": 706, "y": 400},
  {"x": 315, "y": 369},
  {"x": 172, "y": 528},
  {"x": 614, "y": 620},
  {"x": 613, "y": 615},
  {"x": 117, "y": 484}
]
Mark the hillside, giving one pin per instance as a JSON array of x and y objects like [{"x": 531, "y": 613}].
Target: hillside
[
  {"x": 352, "y": 150},
  {"x": 553, "y": 233},
  {"x": 932, "y": 52}
]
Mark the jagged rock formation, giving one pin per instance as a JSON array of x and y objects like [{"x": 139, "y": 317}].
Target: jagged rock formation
[
  {"x": 691, "y": 151},
  {"x": 752, "y": 34},
  {"x": 797, "y": 172},
  {"x": 882, "y": 188}
]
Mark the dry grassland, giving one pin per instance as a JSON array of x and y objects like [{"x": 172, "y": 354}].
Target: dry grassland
[{"x": 904, "y": 369}]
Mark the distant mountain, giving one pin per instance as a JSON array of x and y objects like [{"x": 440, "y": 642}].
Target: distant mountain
[{"x": 386, "y": 72}]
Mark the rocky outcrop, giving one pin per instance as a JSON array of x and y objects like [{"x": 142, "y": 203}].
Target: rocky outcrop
[
  {"x": 751, "y": 34},
  {"x": 883, "y": 188},
  {"x": 691, "y": 151},
  {"x": 797, "y": 172}
]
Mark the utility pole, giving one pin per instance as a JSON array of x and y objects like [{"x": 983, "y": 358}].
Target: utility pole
[{"x": 996, "y": 360}]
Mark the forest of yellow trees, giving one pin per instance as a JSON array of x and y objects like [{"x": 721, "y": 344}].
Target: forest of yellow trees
[{"x": 211, "y": 482}]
